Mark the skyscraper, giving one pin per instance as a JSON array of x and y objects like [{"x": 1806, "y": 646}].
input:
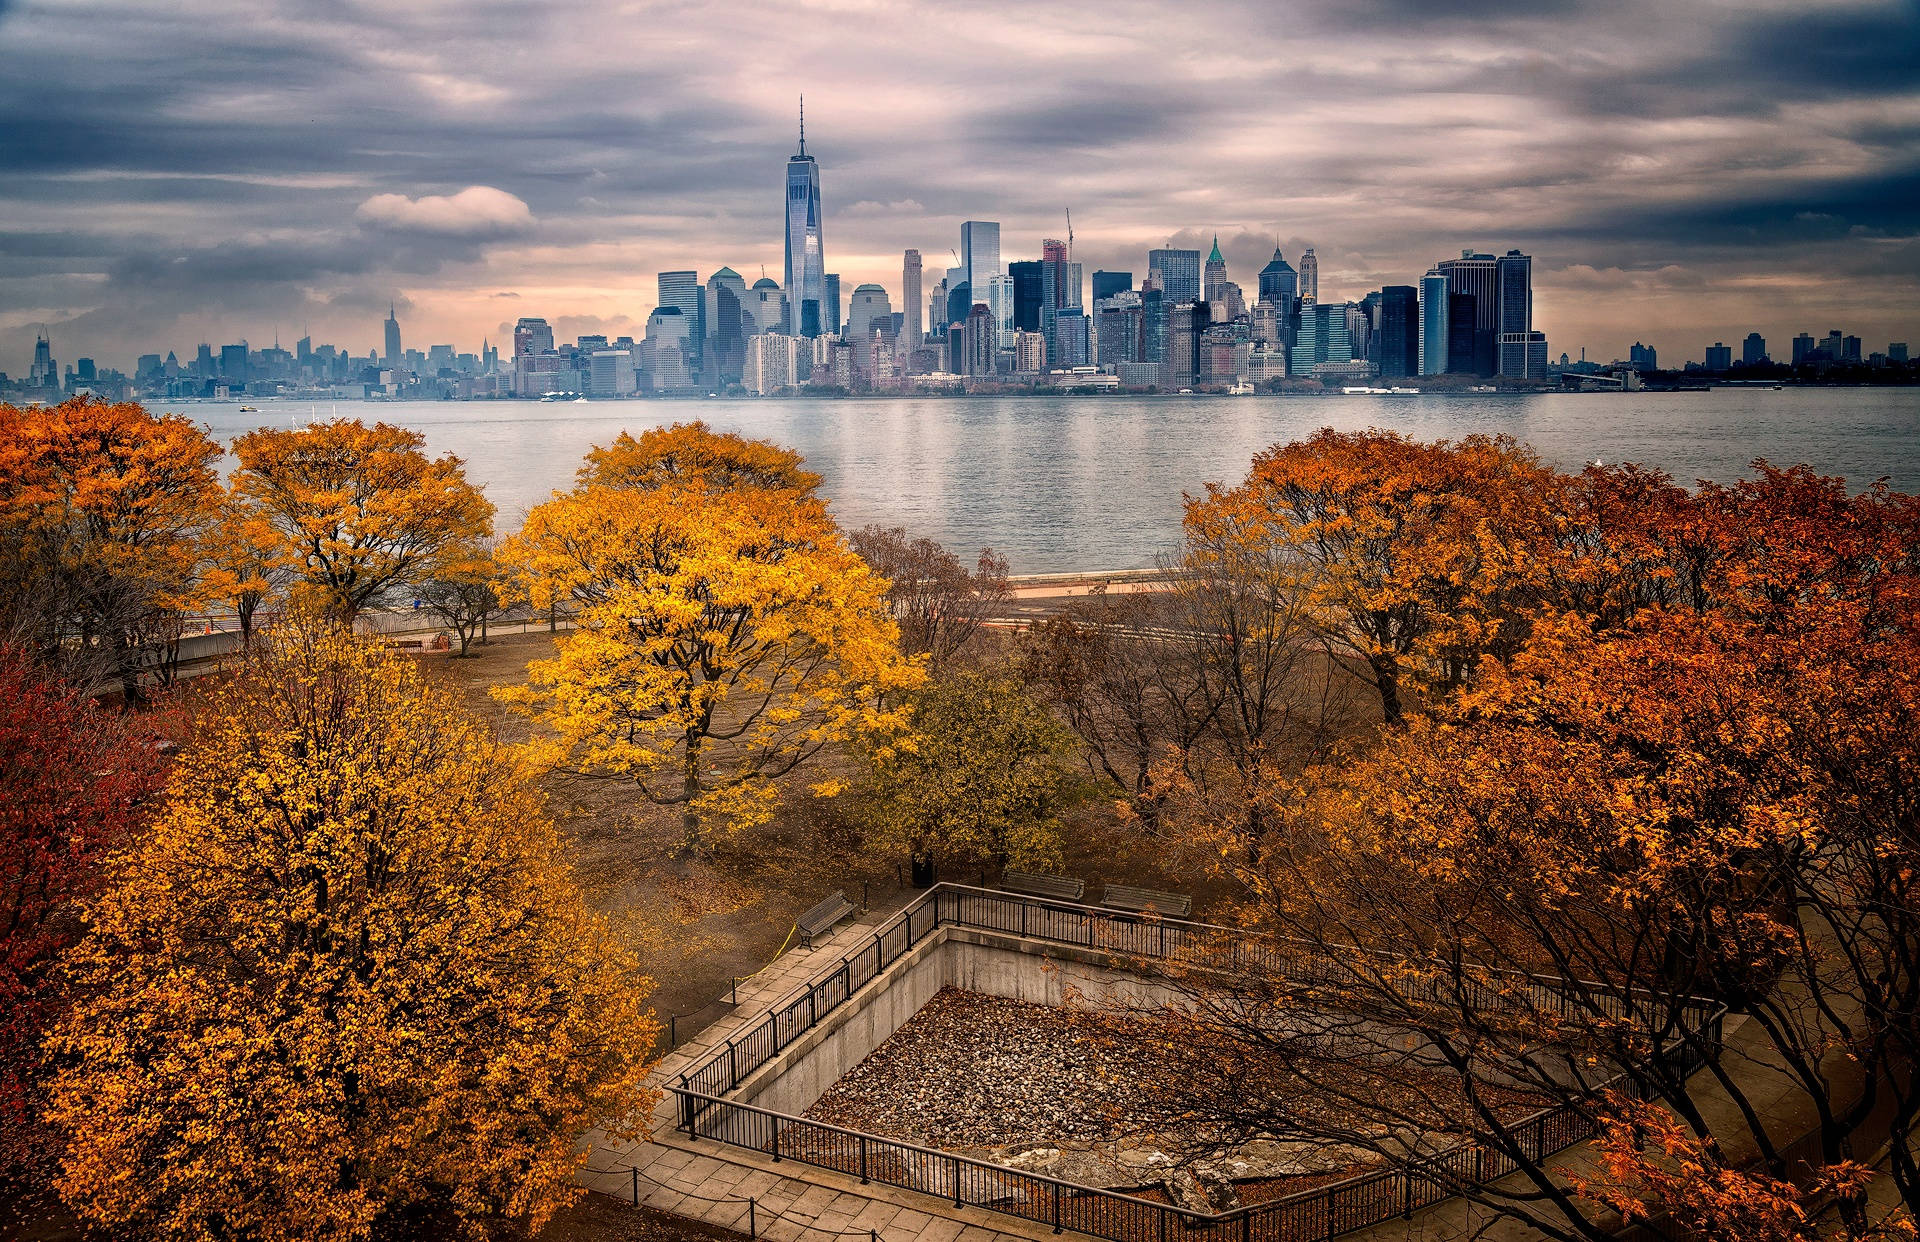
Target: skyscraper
[
  {"x": 806, "y": 281},
  {"x": 1433, "y": 323},
  {"x": 728, "y": 324},
  {"x": 393, "y": 355},
  {"x": 911, "y": 305},
  {"x": 532, "y": 336},
  {"x": 1177, "y": 273},
  {"x": 979, "y": 255},
  {"x": 682, "y": 290},
  {"x": 1309, "y": 276},
  {"x": 830, "y": 308},
  {"x": 45, "y": 373},
  {"x": 1719, "y": 356},
  {"x": 867, "y": 311},
  {"x": 1753, "y": 350},
  {"x": 1106, "y": 284},
  {"x": 1213, "y": 284},
  {"x": 1474, "y": 275},
  {"x": 1513, "y": 282},
  {"x": 1397, "y": 343},
  {"x": 1028, "y": 285},
  {"x": 1278, "y": 281}
]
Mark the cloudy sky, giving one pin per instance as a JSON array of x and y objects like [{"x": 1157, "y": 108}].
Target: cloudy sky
[{"x": 203, "y": 170}]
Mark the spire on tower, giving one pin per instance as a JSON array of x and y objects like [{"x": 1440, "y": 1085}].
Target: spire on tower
[{"x": 803, "y": 125}]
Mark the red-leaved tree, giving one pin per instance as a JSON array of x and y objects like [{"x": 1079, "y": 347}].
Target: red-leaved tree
[{"x": 74, "y": 780}]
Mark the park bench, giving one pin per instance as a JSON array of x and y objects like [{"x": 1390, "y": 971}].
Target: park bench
[
  {"x": 820, "y": 920},
  {"x": 1146, "y": 900},
  {"x": 1034, "y": 884}
]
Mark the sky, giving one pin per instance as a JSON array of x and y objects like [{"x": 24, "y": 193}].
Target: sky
[{"x": 1682, "y": 171}]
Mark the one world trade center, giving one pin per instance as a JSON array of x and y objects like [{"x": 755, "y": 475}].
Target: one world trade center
[{"x": 806, "y": 265}]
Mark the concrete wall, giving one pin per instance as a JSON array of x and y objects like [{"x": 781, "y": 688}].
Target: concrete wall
[{"x": 1038, "y": 972}]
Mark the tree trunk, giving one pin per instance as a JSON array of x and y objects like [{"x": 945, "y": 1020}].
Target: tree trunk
[
  {"x": 1386, "y": 679},
  {"x": 689, "y": 791}
]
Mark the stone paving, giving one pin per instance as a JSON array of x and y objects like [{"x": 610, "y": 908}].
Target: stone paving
[{"x": 713, "y": 1182}]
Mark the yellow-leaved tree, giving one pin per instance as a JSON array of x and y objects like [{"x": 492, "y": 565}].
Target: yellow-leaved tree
[
  {"x": 344, "y": 977},
  {"x": 361, "y": 512},
  {"x": 726, "y": 633}
]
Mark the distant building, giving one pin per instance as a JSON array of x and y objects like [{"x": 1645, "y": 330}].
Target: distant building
[
  {"x": 1029, "y": 352},
  {"x": 44, "y": 372},
  {"x": 1753, "y": 351},
  {"x": 1803, "y": 347},
  {"x": 806, "y": 274},
  {"x": 728, "y": 323},
  {"x": 683, "y": 291},
  {"x": 233, "y": 362},
  {"x": 532, "y": 336},
  {"x": 1213, "y": 278},
  {"x": 394, "y": 355},
  {"x": 1719, "y": 357},
  {"x": 867, "y": 311},
  {"x": 1185, "y": 320},
  {"x": 1475, "y": 276},
  {"x": 1513, "y": 311},
  {"x": 1396, "y": 349},
  {"x": 1433, "y": 323},
  {"x": 979, "y": 255},
  {"x": 980, "y": 340},
  {"x": 911, "y": 307},
  {"x": 667, "y": 352},
  {"x": 1850, "y": 349},
  {"x": 610, "y": 373},
  {"x": 1106, "y": 284},
  {"x": 1309, "y": 276},
  {"x": 1643, "y": 357},
  {"x": 830, "y": 320},
  {"x": 773, "y": 363},
  {"x": 1897, "y": 351},
  {"x": 1523, "y": 355},
  {"x": 768, "y": 306},
  {"x": 1463, "y": 318},
  {"x": 1323, "y": 337},
  {"x": 1279, "y": 283},
  {"x": 1067, "y": 345},
  {"x": 1176, "y": 273}
]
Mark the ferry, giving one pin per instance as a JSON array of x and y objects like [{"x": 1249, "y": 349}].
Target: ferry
[
  {"x": 1364, "y": 390},
  {"x": 249, "y": 409}
]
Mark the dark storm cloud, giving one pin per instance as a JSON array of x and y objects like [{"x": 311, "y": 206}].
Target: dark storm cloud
[{"x": 195, "y": 167}]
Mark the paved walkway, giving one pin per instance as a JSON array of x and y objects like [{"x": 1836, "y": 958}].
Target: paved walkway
[{"x": 714, "y": 1182}]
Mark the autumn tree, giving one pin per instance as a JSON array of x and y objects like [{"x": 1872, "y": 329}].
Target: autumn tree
[
  {"x": 467, "y": 594},
  {"x": 1419, "y": 559},
  {"x": 243, "y": 564},
  {"x": 361, "y": 513},
  {"x": 979, "y": 774},
  {"x": 939, "y": 604},
  {"x": 725, "y": 632},
  {"x": 74, "y": 783},
  {"x": 101, "y": 506},
  {"x": 343, "y": 976},
  {"x": 1703, "y": 800}
]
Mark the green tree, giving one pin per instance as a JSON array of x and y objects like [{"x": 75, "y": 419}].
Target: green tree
[{"x": 979, "y": 776}]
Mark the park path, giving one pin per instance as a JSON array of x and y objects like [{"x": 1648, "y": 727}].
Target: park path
[{"x": 739, "y": 1189}]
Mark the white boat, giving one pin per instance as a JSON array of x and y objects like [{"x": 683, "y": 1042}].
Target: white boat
[
  {"x": 1403, "y": 392},
  {"x": 1242, "y": 389}
]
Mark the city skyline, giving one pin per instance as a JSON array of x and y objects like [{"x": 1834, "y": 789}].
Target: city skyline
[{"x": 1749, "y": 171}]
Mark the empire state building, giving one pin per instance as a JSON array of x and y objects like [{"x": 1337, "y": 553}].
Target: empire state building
[{"x": 806, "y": 264}]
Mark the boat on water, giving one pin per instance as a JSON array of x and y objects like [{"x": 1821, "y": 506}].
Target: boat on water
[
  {"x": 1242, "y": 389},
  {"x": 249, "y": 409},
  {"x": 567, "y": 396}
]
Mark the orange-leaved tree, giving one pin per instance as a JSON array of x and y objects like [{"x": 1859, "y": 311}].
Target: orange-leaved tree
[
  {"x": 1418, "y": 559},
  {"x": 726, "y": 634},
  {"x": 362, "y": 513},
  {"x": 101, "y": 506},
  {"x": 344, "y": 976},
  {"x": 244, "y": 563}
]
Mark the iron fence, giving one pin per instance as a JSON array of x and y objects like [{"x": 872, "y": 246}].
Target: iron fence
[{"x": 1305, "y": 1216}]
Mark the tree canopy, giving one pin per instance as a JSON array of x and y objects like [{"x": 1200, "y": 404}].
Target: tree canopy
[{"x": 343, "y": 976}]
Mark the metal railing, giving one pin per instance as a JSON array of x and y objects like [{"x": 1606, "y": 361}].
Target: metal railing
[{"x": 1306, "y": 1216}]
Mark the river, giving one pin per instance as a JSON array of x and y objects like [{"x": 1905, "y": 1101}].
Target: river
[{"x": 1095, "y": 483}]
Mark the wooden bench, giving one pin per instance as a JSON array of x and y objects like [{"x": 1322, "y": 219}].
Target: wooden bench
[
  {"x": 1146, "y": 900},
  {"x": 820, "y": 920},
  {"x": 1037, "y": 885}
]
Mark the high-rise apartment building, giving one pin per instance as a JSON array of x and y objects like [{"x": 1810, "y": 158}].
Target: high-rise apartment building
[
  {"x": 1433, "y": 323},
  {"x": 1475, "y": 276},
  {"x": 806, "y": 279},
  {"x": 393, "y": 355},
  {"x": 773, "y": 363},
  {"x": 1643, "y": 357},
  {"x": 1753, "y": 350},
  {"x": 1309, "y": 276},
  {"x": 979, "y": 255},
  {"x": 911, "y": 306},
  {"x": 1719, "y": 356},
  {"x": 1803, "y": 347},
  {"x": 1176, "y": 273},
  {"x": 980, "y": 342}
]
